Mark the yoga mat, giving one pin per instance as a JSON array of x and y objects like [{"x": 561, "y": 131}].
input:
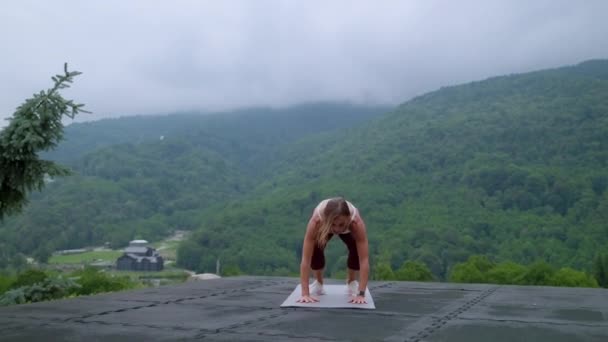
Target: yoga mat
[{"x": 336, "y": 296}]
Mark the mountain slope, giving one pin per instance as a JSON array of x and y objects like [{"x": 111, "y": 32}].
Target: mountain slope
[
  {"x": 513, "y": 167},
  {"x": 261, "y": 127},
  {"x": 130, "y": 183}
]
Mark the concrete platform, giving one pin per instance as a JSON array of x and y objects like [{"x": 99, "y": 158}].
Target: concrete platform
[{"x": 247, "y": 309}]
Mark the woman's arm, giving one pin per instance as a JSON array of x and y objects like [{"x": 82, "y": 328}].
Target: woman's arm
[
  {"x": 307, "y": 249},
  {"x": 360, "y": 235}
]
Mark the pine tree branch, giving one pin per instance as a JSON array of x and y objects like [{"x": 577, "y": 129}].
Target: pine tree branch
[{"x": 35, "y": 126}]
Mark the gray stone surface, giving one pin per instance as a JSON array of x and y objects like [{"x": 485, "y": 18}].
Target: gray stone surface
[{"x": 248, "y": 309}]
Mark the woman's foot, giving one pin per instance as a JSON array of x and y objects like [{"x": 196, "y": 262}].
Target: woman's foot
[
  {"x": 316, "y": 289},
  {"x": 353, "y": 287}
]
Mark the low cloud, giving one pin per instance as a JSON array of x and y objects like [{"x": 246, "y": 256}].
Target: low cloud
[{"x": 150, "y": 57}]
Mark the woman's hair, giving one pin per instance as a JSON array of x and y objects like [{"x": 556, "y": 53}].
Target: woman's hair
[{"x": 335, "y": 207}]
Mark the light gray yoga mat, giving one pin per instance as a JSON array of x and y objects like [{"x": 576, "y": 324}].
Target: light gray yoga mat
[{"x": 335, "y": 297}]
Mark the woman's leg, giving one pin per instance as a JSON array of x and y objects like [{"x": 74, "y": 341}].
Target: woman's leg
[
  {"x": 352, "y": 275},
  {"x": 319, "y": 275},
  {"x": 353, "y": 257},
  {"x": 318, "y": 262}
]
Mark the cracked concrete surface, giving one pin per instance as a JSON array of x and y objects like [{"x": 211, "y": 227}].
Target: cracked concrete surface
[{"x": 247, "y": 309}]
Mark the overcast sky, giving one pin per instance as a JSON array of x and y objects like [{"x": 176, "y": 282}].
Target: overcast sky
[{"x": 154, "y": 57}]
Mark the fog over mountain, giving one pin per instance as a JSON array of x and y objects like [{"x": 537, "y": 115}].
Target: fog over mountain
[{"x": 147, "y": 57}]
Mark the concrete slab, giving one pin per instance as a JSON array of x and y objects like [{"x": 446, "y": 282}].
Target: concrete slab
[
  {"x": 248, "y": 309},
  {"x": 67, "y": 309},
  {"x": 78, "y": 332},
  {"x": 328, "y": 324},
  {"x": 184, "y": 316},
  {"x": 505, "y": 331}
]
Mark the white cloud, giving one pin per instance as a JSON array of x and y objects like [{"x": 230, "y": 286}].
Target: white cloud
[{"x": 140, "y": 57}]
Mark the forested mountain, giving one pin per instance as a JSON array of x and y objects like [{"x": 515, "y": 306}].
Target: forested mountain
[
  {"x": 145, "y": 176},
  {"x": 252, "y": 126},
  {"x": 512, "y": 167}
]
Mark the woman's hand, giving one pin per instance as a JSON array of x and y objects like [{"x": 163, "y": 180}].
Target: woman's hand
[
  {"x": 307, "y": 299},
  {"x": 358, "y": 300}
]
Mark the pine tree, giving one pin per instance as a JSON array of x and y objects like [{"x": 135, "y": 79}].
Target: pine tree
[{"x": 35, "y": 126}]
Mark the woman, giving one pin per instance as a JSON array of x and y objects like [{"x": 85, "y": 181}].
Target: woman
[{"x": 335, "y": 216}]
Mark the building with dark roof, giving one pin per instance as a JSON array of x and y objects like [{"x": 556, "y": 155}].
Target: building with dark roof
[{"x": 140, "y": 257}]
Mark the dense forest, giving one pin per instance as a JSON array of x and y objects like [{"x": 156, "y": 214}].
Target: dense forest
[
  {"x": 146, "y": 176},
  {"x": 512, "y": 169}
]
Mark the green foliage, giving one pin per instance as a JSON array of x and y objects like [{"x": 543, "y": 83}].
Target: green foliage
[
  {"x": 29, "y": 277},
  {"x": 48, "y": 289},
  {"x": 43, "y": 254},
  {"x": 474, "y": 270},
  {"x": 146, "y": 187},
  {"x": 599, "y": 184},
  {"x": 481, "y": 262},
  {"x": 413, "y": 271},
  {"x": 478, "y": 269},
  {"x": 383, "y": 271},
  {"x": 231, "y": 270},
  {"x": 506, "y": 273},
  {"x": 35, "y": 285},
  {"x": 10, "y": 258},
  {"x": 36, "y": 126},
  {"x": 572, "y": 278},
  {"x": 538, "y": 273},
  {"x": 92, "y": 280},
  {"x": 6, "y": 282},
  {"x": 600, "y": 269},
  {"x": 467, "y": 273},
  {"x": 189, "y": 255}
]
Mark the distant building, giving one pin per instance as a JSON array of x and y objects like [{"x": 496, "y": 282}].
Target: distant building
[{"x": 139, "y": 257}]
